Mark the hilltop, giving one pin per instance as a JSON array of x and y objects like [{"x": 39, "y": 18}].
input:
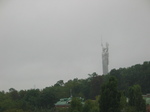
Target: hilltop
[{"x": 87, "y": 88}]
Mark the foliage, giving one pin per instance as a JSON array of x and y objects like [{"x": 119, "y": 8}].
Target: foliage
[
  {"x": 76, "y": 105},
  {"x": 62, "y": 110},
  {"x": 43, "y": 100},
  {"x": 110, "y": 97},
  {"x": 123, "y": 102},
  {"x": 135, "y": 98},
  {"x": 91, "y": 106},
  {"x": 137, "y": 74}
]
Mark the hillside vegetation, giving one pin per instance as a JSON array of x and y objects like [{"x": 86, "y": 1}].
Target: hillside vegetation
[{"x": 89, "y": 88}]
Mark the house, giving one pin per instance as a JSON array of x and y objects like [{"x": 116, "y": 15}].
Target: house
[
  {"x": 63, "y": 102},
  {"x": 147, "y": 99}
]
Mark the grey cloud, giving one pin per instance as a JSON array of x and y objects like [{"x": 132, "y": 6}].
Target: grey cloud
[{"x": 42, "y": 42}]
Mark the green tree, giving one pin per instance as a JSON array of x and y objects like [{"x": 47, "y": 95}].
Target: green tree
[
  {"x": 135, "y": 98},
  {"x": 123, "y": 102},
  {"x": 95, "y": 85},
  {"x": 59, "y": 83},
  {"x": 47, "y": 98},
  {"x": 110, "y": 97},
  {"x": 76, "y": 105},
  {"x": 31, "y": 99},
  {"x": 93, "y": 75},
  {"x": 91, "y": 106},
  {"x": 88, "y": 106},
  {"x": 13, "y": 94}
]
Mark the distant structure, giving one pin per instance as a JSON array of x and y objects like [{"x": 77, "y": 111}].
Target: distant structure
[
  {"x": 105, "y": 58},
  {"x": 65, "y": 102}
]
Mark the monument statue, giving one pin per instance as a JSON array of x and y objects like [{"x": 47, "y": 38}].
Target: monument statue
[{"x": 105, "y": 60}]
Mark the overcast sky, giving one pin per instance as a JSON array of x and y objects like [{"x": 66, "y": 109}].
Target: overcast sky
[{"x": 43, "y": 41}]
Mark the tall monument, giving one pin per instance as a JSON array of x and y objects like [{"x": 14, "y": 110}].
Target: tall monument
[{"x": 105, "y": 58}]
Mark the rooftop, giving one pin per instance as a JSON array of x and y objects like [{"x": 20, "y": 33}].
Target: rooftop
[{"x": 63, "y": 102}]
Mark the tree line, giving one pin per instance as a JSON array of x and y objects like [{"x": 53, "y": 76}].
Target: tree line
[
  {"x": 112, "y": 100},
  {"x": 126, "y": 82}
]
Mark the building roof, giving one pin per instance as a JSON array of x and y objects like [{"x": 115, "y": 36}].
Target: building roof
[
  {"x": 147, "y": 98},
  {"x": 64, "y": 102}
]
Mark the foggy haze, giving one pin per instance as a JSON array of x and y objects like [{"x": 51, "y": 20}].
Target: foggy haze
[{"x": 42, "y": 42}]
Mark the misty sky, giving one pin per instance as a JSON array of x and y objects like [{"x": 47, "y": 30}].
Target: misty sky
[{"x": 43, "y": 41}]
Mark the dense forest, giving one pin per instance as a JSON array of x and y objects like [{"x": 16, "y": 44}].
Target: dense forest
[{"x": 91, "y": 88}]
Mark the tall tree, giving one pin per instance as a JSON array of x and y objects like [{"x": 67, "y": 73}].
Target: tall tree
[
  {"x": 95, "y": 85},
  {"x": 110, "y": 97},
  {"x": 76, "y": 105},
  {"x": 59, "y": 83},
  {"x": 135, "y": 98},
  {"x": 47, "y": 98}
]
